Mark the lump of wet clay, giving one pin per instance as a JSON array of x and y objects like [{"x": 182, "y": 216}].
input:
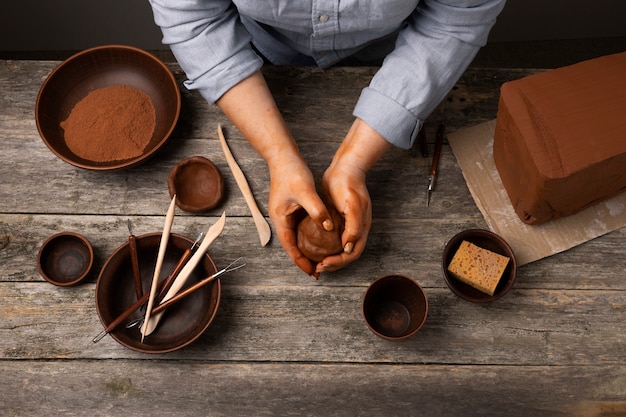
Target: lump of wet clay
[{"x": 317, "y": 243}]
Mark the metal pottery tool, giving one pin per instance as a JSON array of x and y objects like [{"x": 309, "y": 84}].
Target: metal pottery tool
[
  {"x": 236, "y": 264},
  {"x": 132, "y": 246},
  {"x": 214, "y": 231},
  {"x": 262, "y": 227},
  {"x": 432, "y": 174},
  {"x": 164, "y": 286}
]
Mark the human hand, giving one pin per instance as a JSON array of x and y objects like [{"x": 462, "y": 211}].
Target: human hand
[
  {"x": 292, "y": 196},
  {"x": 344, "y": 186}
]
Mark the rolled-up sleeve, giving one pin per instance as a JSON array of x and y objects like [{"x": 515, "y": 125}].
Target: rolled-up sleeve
[
  {"x": 438, "y": 43},
  {"x": 209, "y": 42}
]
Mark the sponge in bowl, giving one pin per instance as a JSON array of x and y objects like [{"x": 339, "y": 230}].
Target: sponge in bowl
[{"x": 478, "y": 267}]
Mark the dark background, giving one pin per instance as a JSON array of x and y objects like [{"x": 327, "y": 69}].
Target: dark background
[{"x": 527, "y": 31}]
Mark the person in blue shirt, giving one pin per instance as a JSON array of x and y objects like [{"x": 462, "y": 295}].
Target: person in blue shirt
[{"x": 426, "y": 46}]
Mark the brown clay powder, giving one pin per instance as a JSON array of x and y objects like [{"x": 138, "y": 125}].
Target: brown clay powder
[{"x": 110, "y": 124}]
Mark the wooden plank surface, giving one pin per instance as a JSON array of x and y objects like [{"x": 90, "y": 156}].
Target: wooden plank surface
[
  {"x": 309, "y": 323},
  {"x": 283, "y": 343},
  {"x": 234, "y": 389}
]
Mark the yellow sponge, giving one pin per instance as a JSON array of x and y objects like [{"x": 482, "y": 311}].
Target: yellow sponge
[{"x": 478, "y": 267}]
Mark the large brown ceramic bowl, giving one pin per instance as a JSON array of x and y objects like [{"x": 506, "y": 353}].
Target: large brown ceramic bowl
[
  {"x": 486, "y": 240},
  {"x": 181, "y": 323},
  {"x": 100, "y": 67}
]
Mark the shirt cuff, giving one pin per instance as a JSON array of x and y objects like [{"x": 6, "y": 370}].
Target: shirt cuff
[
  {"x": 387, "y": 117},
  {"x": 214, "y": 83}
]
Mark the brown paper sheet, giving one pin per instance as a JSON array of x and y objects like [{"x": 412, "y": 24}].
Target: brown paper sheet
[{"x": 473, "y": 149}]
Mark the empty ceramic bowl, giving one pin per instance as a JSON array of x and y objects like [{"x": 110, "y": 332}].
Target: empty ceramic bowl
[
  {"x": 487, "y": 240},
  {"x": 95, "y": 69},
  {"x": 198, "y": 184},
  {"x": 65, "y": 259},
  {"x": 395, "y": 307},
  {"x": 181, "y": 323}
]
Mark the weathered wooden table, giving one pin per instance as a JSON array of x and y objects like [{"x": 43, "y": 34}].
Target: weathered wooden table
[{"x": 283, "y": 343}]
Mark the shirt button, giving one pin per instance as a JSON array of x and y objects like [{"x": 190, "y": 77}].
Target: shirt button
[{"x": 324, "y": 18}]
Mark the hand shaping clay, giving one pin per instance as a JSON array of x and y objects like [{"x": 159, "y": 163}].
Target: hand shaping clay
[{"x": 317, "y": 243}]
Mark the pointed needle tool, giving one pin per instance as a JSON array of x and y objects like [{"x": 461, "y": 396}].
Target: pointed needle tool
[
  {"x": 434, "y": 167},
  {"x": 132, "y": 245}
]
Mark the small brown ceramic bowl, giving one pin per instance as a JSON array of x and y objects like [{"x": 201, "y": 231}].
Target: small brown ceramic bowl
[
  {"x": 395, "y": 307},
  {"x": 197, "y": 183},
  {"x": 65, "y": 259},
  {"x": 486, "y": 240},
  {"x": 100, "y": 67},
  {"x": 183, "y": 322}
]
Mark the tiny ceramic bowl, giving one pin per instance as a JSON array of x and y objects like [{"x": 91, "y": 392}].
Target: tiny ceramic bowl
[
  {"x": 486, "y": 240},
  {"x": 183, "y": 322},
  {"x": 395, "y": 307},
  {"x": 100, "y": 67},
  {"x": 65, "y": 259},
  {"x": 197, "y": 183}
]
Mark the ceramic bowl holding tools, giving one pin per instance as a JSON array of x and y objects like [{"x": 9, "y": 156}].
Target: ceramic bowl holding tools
[
  {"x": 487, "y": 240},
  {"x": 395, "y": 307},
  {"x": 97, "y": 68},
  {"x": 181, "y": 323},
  {"x": 197, "y": 183},
  {"x": 65, "y": 259}
]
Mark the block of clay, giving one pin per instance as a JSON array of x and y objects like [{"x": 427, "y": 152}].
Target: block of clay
[
  {"x": 478, "y": 267},
  {"x": 560, "y": 140}
]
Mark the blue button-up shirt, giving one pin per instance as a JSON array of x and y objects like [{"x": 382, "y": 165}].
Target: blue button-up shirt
[{"x": 436, "y": 41}]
